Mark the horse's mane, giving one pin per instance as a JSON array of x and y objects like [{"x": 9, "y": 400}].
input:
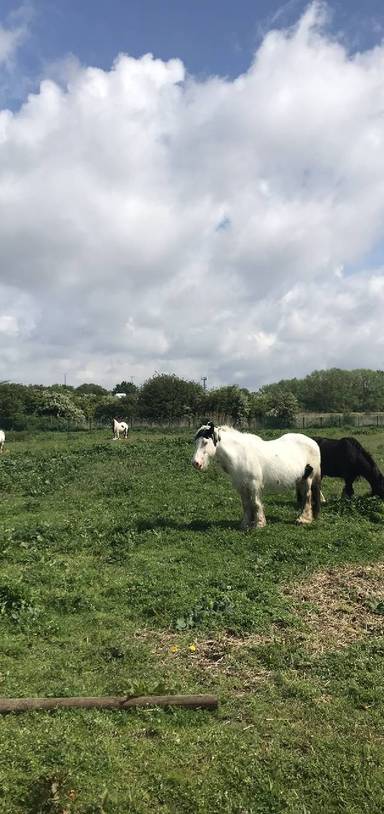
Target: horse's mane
[
  {"x": 226, "y": 428},
  {"x": 364, "y": 452}
]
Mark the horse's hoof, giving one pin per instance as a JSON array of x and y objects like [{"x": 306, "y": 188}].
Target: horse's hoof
[{"x": 303, "y": 521}]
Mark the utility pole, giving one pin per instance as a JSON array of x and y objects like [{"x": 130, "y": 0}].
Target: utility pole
[
  {"x": 65, "y": 379},
  {"x": 204, "y": 380}
]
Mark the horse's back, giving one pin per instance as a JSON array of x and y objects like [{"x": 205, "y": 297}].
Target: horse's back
[
  {"x": 285, "y": 460},
  {"x": 298, "y": 441},
  {"x": 343, "y": 457}
]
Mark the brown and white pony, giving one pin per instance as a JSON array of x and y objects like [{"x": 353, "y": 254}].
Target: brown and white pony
[{"x": 119, "y": 427}]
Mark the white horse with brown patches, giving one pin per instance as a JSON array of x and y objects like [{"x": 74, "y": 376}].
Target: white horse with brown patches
[
  {"x": 254, "y": 465},
  {"x": 119, "y": 427},
  {"x": 2, "y": 440}
]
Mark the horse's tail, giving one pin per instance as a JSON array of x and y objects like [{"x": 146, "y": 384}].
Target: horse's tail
[{"x": 316, "y": 495}]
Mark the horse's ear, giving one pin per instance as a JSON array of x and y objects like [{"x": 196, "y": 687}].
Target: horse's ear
[{"x": 212, "y": 433}]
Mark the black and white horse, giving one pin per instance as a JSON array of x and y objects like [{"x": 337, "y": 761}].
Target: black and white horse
[
  {"x": 119, "y": 427},
  {"x": 254, "y": 465},
  {"x": 346, "y": 458}
]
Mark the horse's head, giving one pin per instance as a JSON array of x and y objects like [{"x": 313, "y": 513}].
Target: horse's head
[{"x": 206, "y": 440}]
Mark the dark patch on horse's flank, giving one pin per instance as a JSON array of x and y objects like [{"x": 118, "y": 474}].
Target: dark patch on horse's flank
[
  {"x": 308, "y": 471},
  {"x": 207, "y": 431}
]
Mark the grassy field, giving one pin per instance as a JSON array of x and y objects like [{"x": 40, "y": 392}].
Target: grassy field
[{"x": 124, "y": 571}]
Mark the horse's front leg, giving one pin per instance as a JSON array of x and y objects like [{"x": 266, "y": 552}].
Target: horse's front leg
[
  {"x": 247, "y": 508},
  {"x": 254, "y": 516},
  {"x": 260, "y": 516},
  {"x": 348, "y": 489}
]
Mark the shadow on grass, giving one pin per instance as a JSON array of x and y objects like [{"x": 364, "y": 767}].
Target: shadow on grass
[
  {"x": 194, "y": 525},
  {"x": 203, "y": 525}
]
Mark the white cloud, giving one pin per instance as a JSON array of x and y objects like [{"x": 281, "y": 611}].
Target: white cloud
[
  {"x": 10, "y": 40},
  {"x": 14, "y": 32},
  {"x": 150, "y": 221}
]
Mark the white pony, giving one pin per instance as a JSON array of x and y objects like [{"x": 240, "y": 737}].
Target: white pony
[
  {"x": 2, "y": 440},
  {"x": 118, "y": 427},
  {"x": 292, "y": 461}
]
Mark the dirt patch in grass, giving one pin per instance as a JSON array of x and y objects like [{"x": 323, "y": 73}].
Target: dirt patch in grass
[
  {"x": 225, "y": 655},
  {"x": 336, "y": 607},
  {"x": 340, "y": 605}
]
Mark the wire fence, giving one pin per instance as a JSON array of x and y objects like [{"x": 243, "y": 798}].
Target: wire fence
[{"x": 301, "y": 421}]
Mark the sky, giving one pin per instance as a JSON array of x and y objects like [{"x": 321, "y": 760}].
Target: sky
[{"x": 190, "y": 187}]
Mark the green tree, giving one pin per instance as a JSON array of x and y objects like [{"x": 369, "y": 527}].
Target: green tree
[
  {"x": 284, "y": 407},
  {"x": 110, "y": 407},
  {"x": 276, "y": 403},
  {"x": 230, "y": 401},
  {"x": 87, "y": 403},
  {"x": 60, "y": 406},
  {"x": 11, "y": 403},
  {"x": 91, "y": 389},
  {"x": 125, "y": 387},
  {"x": 166, "y": 397},
  {"x": 368, "y": 389}
]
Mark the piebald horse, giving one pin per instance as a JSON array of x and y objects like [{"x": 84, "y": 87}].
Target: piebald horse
[
  {"x": 254, "y": 465},
  {"x": 119, "y": 427}
]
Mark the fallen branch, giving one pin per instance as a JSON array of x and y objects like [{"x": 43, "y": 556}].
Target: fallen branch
[{"x": 108, "y": 702}]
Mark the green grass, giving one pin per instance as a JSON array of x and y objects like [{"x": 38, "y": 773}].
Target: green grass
[{"x": 115, "y": 559}]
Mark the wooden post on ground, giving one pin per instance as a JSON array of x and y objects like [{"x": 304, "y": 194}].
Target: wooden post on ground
[{"x": 108, "y": 702}]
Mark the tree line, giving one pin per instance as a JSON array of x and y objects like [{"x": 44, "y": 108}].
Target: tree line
[{"x": 166, "y": 398}]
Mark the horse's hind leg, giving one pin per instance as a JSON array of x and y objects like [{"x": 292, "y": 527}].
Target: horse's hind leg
[{"x": 306, "y": 516}]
